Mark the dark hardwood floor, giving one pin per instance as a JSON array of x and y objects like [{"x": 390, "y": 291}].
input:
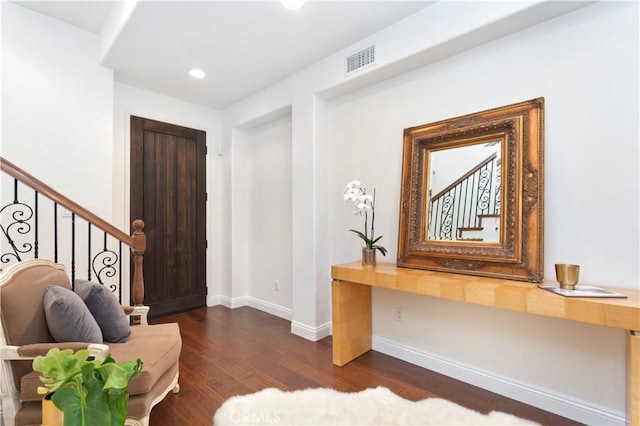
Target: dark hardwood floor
[{"x": 229, "y": 352}]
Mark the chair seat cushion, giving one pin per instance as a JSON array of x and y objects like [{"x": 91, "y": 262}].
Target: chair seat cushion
[{"x": 158, "y": 346}]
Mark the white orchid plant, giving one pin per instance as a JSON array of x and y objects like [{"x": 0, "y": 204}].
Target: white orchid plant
[{"x": 364, "y": 205}]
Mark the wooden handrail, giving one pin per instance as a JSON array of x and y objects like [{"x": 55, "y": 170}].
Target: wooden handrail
[
  {"x": 465, "y": 176},
  {"x": 137, "y": 241},
  {"x": 44, "y": 189}
]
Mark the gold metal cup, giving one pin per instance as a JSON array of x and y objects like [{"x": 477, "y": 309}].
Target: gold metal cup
[{"x": 567, "y": 275}]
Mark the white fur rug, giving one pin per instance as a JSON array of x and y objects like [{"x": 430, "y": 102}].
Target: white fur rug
[{"x": 377, "y": 406}]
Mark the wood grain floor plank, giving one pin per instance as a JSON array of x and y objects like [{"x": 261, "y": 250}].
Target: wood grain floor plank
[{"x": 228, "y": 352}]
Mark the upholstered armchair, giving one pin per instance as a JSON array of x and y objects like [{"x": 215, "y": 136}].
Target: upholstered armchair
[{"x": 39, "y": 311}]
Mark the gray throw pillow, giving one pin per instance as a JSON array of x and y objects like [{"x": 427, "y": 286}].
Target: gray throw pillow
[
  {"x": 68, "y": 318},
  {"x": 106, "y": 309}
]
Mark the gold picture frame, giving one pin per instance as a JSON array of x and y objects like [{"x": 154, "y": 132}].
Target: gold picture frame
[{"x": 500, "y": 233}]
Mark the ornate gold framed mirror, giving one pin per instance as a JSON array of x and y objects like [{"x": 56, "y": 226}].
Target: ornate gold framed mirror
[{"x": 471, "y": 200}]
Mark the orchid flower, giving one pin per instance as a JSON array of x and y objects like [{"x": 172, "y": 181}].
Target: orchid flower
[{"x": 363, "y": 205}]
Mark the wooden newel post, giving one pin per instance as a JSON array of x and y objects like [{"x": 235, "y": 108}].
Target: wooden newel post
[{"x": 138, "y": 249}]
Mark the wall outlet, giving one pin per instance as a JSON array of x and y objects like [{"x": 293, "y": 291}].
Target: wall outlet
[
  {"x": 276, "y": 285},
  {"x": 399, "y": 314}
]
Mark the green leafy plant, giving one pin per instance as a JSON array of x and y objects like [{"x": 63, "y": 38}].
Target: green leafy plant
[
  {"x": 89, "y": 392},
  {"x": 363, "y": 204}
]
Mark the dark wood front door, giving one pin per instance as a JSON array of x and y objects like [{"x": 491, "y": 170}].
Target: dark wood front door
[{"x": 168, "y": 191}]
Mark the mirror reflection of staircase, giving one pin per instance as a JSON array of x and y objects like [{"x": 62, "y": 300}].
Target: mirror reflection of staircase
[{"x": 469, "y": 208}]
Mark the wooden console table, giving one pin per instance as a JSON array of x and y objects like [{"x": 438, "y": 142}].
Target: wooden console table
[{"x": 351, "y": 305}]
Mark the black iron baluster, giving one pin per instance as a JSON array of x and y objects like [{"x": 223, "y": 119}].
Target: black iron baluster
[
  {"x": 430, "y": 215},
  {"x": 6, "y": 232},
  {"x": 55, "y": 232},
  {"x": 459, "y": 211},
  {"x": 452, "y": 214},
  {"x": 120, "y": 273},
  {"x": 492, "y": 206},
  {"x": 498, "y": 179},
  {"x": 429, "y": 235},
  {"x": 103, "y": 264},
  {"x": 436, "y": 220},
  {"x": 484, "y": 192},
  {"x": 73, "y": 248},
  {"x": 89, "y": 251},
  {"x": 35, "y": 241},
  {"x": 20, "y": 215},
  {"x": 445, "y": 226},
  {"x": 466, "y": 193},
  {"x": 473, "y": 197}
]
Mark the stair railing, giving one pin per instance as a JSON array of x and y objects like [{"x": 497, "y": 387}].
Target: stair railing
[
  {"x": 21, "y": 224},
  {"x": 462, "y": 204}
]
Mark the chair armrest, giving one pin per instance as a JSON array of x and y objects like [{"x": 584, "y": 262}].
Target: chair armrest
[
  {"x": 10, "y": 353},
  {"x": 139, "y": 311},
  {"x": 27, "y": 352}
]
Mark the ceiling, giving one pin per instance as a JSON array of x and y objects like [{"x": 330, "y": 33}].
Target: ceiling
[{"x": 243, "y": 46}]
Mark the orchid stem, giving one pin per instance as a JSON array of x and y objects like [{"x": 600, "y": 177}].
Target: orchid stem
[{"x": 373, "y": 212}]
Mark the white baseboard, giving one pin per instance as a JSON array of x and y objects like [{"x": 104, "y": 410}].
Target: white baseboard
[
  {"x": 218, "y": 300},
  {"x": 238, "y": 302},
  {"x": 311, "y": 333},
  {"x": 270, "y": 308},
  {"x": 545, "y": 399},
  {"x": 299, "y": 329}
]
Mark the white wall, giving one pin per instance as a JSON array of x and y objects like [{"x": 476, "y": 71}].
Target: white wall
[
  {"x": 262, "y": 212},
  {"x": 591, "y": 121},
  {"x": 130, "y": 101},
  {"x": 585, "y": 64},
  {"x": 64, "y": 121},
  {"x": 57, "y": 106},
  {"x": 420, "y": 39}
]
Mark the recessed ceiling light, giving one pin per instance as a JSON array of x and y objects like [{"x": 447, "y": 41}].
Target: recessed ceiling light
[
  {"x": 292, "y": 4},
  {"x": 197, "y": 73}
]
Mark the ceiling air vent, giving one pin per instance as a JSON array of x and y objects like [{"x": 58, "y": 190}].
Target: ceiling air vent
[{"x": 361, "y": 59}]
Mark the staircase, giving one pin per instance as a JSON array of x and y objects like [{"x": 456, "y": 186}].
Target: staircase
[
  {"x": 32, "y": 226},
  {"x": 469, "y": 208}
]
